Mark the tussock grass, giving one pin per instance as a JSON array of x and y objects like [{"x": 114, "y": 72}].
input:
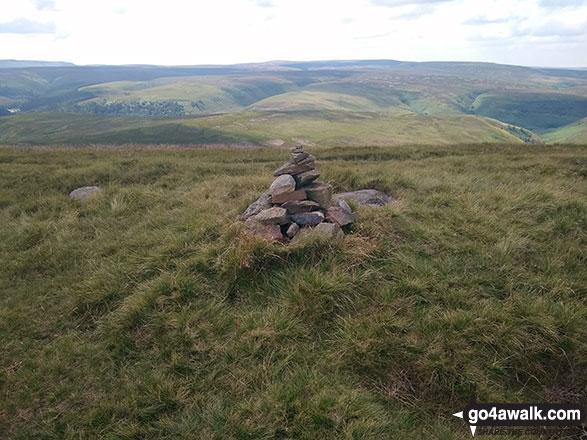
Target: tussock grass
[{"x": 144, "y": 313}]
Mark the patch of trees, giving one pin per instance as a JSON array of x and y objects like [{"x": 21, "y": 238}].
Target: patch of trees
[{"x": 133, "y": 108}]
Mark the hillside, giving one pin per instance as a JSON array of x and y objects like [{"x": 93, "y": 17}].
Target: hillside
[
  {"x": 531, "y": 102},
  {"x": 322, "y": 128},
  {"x": 144, "y": 313}
]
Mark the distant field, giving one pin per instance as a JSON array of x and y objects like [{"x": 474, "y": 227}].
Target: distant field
[
  {"x": 377, "y": 102},
  {"x": 144, "y": 314},
  {"x": 323, "y": 128}
]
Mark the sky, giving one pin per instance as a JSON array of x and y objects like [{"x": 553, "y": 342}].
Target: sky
[{"x": 183, "y": 32}]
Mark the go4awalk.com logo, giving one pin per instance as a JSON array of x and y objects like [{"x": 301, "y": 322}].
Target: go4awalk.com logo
[{"x": 529, "y": 418}]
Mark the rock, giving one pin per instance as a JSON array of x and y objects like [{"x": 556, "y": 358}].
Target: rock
[
  {"x": 366, "y": 197},
  {"x": 272, "y": 216},
  {"x": 308, "y": 218},
  {"x": 267, "y": 232},
  {"x": 294, "y": 207},
  {"x": 283, "y": 184},
  {"x": 256, "y": 207},
  {"x": 292, "y": 230},
  {"x": 84, "y": 192},
  {"x": 328, "y": 232},
  {"x": 300, "y": 194},
  {"x": 293, "y": 168},
  {"x": 321, "y": 193},
  {"x": 298, "y": 154},
  {"x": 340, "y": 216},
  {"x": 306, "y": 178},
  {"x": 344, "y": 206}
]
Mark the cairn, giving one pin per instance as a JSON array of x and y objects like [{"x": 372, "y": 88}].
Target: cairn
[{"x": 296, "y": 203}]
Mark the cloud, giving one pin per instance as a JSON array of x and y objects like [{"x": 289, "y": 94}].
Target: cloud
[
  {"x": 415, "y": 13},
  {"x": 43, "y": 5},
  {"x": 25, "y": 26},
  {"x": 561, "y": 3},
  {"x": 552, "y": 28},
  {"x": 265, "y": 3},
  {"x": 396, "y": 3},
  {"x": 483, "y": 20}
]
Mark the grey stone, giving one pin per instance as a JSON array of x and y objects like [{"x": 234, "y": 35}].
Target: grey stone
[
  {"x": 272, "y": 216},
  {"x": 344, "y": 205},
  {"x": 338, "y": 215},
  {"x": 321, "y": 193},
  {"x": 328, "y": 232},
  {"x": 293, "y": 168},
  {"x": 306, "y": 178},
  {"x": 292, "y": 230},
  {"x": 366, "y": 197},
  {"x": 308, "y": 218},
  {"x": 298, "y": 154},
  {"x": 256, "y": 207},
  {"x": 84, "y": 192},
  {"x": 267, "y": 232},
  {"x": 282, "y": 184},
  {"x": 297, "y": 206},
  {"x": 300, "y": 194}
]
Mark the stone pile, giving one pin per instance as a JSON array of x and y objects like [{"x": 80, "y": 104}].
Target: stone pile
[{"x": 296, "y": 203}]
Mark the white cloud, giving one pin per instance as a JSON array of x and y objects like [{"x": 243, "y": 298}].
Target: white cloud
[
  {"x": 396, "y": 3},
  {"x": 233, "y": 31},
  {"x": 562, "y": 3},
  {"x": 43, "y": 5},
  {"x": 25, "y": 26}
]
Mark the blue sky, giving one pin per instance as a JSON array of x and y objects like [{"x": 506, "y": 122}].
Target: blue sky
[{"x": 174, "y": 32}]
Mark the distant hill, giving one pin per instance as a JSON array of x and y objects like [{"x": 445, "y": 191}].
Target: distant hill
[
  {"x": 4, "y": 64},
  {"x": 530, "y": 104}
]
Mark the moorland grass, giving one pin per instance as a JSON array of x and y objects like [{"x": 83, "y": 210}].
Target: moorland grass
[{"x": 143, "y": 313}]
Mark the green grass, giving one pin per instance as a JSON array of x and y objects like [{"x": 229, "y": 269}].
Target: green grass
[
  {"x": 143, "y": 312},
  {"x": 536, "y": 102},
  {"x": 199, "y": 95},
  {"x": 575, "y": 133},
  {"x": 534, "y": 111},
  {"x": 323, "y": 128}
]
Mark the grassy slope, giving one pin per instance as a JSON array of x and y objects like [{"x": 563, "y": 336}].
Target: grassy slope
[
  {"x": 535, "y": 111},
  {"x": 575, "y": 133},
  {"x": 323, "y": 128},
  {"x": 143, "y": 314},
  {"x": 199, "y": 95}
]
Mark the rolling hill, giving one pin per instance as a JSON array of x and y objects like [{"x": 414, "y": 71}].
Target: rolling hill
[{"x": 372, "y": 102}]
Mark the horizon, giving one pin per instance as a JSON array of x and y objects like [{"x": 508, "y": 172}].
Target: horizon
[
  {"x": 277, "y": 61},
  {"x": 547, "y": 33}
]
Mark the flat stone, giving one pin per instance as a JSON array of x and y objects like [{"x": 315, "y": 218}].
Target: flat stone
[
  {"x": 300, "y": 194},
  {"x": 256, "y": 207},
  {"x": 267, "y": 232},
  {"x": 306, "y": 178},
  {"x": 366, "y": 197},
  {"x": 298, "y": 154},
  {"x": 295, "y": 207},
  {"x": 292, "y": 230},
  {"x": 330, "y": 231},
  {"x": 84, "y": 192},
  {"x": 293, "y": 168},
  {"x": 308, "y": 218},
  {"x": 344, "y": 206},
  {"x": 327, "y": 232},
  {"x": 321, "y": 193},
  {"x": 272, "y": 216},
  {"x": 338, "y": 215},
  {"x": 283, "y": 184}
]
